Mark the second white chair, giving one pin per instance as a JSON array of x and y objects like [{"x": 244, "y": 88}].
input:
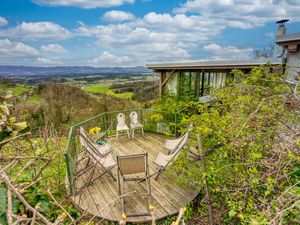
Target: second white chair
[
  {"x": 121, "y": 125},
  {"x": 135, "y": 124}
]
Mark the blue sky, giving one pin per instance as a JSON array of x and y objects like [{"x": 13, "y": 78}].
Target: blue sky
[{"x": 135, "y": 32}]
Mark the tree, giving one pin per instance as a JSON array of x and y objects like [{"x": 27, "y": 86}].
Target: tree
[
  {"x": 266, "y": 52},
  {"x": 64, "y": 104}
]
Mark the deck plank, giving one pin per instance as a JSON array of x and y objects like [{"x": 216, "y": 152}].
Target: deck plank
[{"x": 167, "y": 196}]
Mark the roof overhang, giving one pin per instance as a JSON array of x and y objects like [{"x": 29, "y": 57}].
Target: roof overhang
[
  {"x": 288, "y": 39},
  {"x": 214, "y": 65}
]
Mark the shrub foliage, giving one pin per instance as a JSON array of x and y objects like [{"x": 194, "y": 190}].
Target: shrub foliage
[{"x": 251, "y": 140}]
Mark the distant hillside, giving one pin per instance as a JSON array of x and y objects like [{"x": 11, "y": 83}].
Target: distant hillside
[
  {"x": 31, "y": 74},
  {"x": 38, "y": 71}
]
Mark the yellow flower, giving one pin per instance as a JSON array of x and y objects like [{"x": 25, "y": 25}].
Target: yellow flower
[
  {"x": 151, "y": 208},
  {"x": 123, "y": 216},
  {"x": 240, "y": 216},
  {"x": 94, "y": 130}
]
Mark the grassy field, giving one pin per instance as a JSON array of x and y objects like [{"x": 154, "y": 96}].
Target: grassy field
[
  {"x": 102, "y": 88},
  {"x": 17, "y": 90}
]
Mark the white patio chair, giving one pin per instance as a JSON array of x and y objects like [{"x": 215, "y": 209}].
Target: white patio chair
[
  {"x": 121, "y": 125},
  {"x": 135, "y": 124}
]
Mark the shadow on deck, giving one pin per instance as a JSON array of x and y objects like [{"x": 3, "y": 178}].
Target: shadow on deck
[{"x": 100, "y": 199}]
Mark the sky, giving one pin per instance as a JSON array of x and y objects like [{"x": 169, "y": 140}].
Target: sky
[{"x": 103, "y": 33}]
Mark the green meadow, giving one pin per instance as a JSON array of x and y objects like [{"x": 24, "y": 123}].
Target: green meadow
[{"x": 105, "y": 89}]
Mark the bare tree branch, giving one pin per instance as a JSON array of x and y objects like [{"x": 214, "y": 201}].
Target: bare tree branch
[{"x": 4, "y": 177}]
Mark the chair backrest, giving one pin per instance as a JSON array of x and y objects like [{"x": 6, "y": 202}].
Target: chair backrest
[
  {"x": 89, "y": 145},
  {"x": 121, "y": 119},
  {"x": 172, "y": 146},
  {"x": 84, "y": 138},
  {"x": 134, "y": 117},
  {"x": 185, "y": 137},
  {"x": 133, "y": 164}
]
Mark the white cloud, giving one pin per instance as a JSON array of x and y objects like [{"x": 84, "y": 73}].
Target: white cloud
[
  {"x": 3, "y": 21},
  {"x": 117, "y": 16},
  {"x": 155, "y": 37},
  {"x": 243, "y": 14},
  {"x": 87, "y": 4},
  {"x": 214, "y": 51},
  {"x": 53, "y": 48},
  {"x": 37, "y": 31},
  {"x": 49, "y": 62},
  {"x": 108, "y": 59},
  {"x": 16, "y": 49}
]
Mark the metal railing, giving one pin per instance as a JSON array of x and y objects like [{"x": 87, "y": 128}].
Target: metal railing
[{"x": 155, "y": 121}]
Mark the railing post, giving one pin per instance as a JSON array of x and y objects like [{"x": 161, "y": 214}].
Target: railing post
[
  {"x": 73, "y": 145},
  {"x": 105, "y": 122},
  {"x": 175, "y": 124},
  {"x": 142, "y": 117},
  {"x": 69, "y": 172}
]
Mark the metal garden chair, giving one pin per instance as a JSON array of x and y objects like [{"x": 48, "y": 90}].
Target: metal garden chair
[{"x": 133, "y": 168}]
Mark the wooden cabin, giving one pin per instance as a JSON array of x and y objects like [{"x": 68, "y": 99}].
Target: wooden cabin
[{"x": 199, "y": 78}]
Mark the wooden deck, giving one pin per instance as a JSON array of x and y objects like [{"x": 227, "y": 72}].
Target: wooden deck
[{"x": 99, "y": 198}]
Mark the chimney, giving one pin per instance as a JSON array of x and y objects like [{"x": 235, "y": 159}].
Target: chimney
[
  {"x": 279, "y": 51},
  {"x": 281, "y": 29}
]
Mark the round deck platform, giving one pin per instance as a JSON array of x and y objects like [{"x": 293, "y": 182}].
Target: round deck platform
[{"x": 100, "y": 199}]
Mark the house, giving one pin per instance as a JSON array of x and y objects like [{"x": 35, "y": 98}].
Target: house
[
  {"x": 289, "y": 52},
  {"x": 198, "y": 78}
]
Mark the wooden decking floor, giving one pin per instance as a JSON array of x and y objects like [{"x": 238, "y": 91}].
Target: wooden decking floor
[{"x": 100, "y": 198}]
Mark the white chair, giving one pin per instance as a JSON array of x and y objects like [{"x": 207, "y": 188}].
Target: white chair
[
  {"x": 121, "y": 125},
  {"x": 135, "y": 124}
]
